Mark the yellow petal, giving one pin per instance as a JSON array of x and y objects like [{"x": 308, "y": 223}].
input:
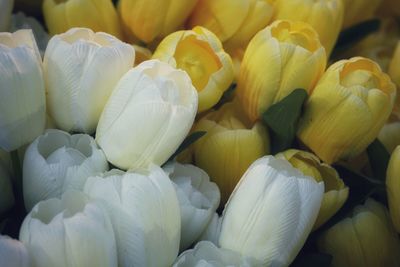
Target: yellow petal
[{"x": 393, "y": 187}]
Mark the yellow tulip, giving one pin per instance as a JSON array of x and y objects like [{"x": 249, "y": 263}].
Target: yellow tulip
[
  {"x": 356, "y": 11},
  {"x": 336, "y": 192},
  {"x": 279, "y": 59},
  {"x": 230, "y": 146},
  {"x": 394, "y": 73},
  {"x": 367, "y": 239},
  {"x": 234, "y": 22},
  {"x": 347, "y": 109},
  {"x": 326, "y": 17},
  {"x": 149, "y": 19},
  {"x": 98, "y": 15},
  {"x": 393, "y": 187},
  {"x": 390, "y": 135},
  {"x": 141, "y": 54},
  {"x": 201, "y": 55}
]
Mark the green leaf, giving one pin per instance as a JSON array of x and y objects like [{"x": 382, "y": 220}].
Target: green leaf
[
  {"x": 282, "y": 119},
  {"x": 353, "y": 34},
  {"x": 315, "y": 259},
  {"x": 190, "y": 139},
  {"x": 379, "y": 159}
]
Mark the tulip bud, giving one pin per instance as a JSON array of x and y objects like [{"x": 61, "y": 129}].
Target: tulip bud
[
  {"x": 365, "y": 239},
  {"x": 295, "y": 59},
  {"x": 347, "y": 109},
  {"x": 13, "y": 253},
  {"x": 141, "y": 54},
  {"x": 6, "y": 193},
  {"x": 6, "y": 7},
  {"x": 57, "y": 161},
  {"x": 336, "y": 192},
  {"x": 393, "y": 187},
  {"x": 234, "y": 22},
  {"x": 69, "y": 232},
  {"x": 22, "y": 92},
  {"x": 326, "y": 17},
  {"x": 81, "y": 70},
  {"x": 229, "y": 147},
  {"x": 356, "y": 11},
  {"x": 201, "y": 55},
  {"x": 394, "y": 73},
  {"x": 149, "y": 19},
  {"x": 144, "y": 211},
  {"x": 206, "y": 253},
  {"x": 198, "y": 200},
  {"x": 271, "y": 212},
  {"x": 213, "y": 230},
  {"x": 98, "y": 15},
  {"x": 390, "y": 135},
  {"x": 148, "y": 116}
]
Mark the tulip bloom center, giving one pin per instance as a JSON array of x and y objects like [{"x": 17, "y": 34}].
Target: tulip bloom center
[
  {"x": 286, "y": 33},
  {"x": 197, "y": 58},
  {"x": 361, "y": 77}
]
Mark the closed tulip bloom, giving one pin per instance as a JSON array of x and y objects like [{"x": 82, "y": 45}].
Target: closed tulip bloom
[
  {"x": 366, "y": 238},
  {"x": 144, "y": 211},
  {"x": 279, "y": 59},
  {"x": 352, "y": 14},
  {"x": 201, "y": 55},
  {"x": 394, "y": 73},
  {"x": 71, "y": 231},
  {"x": 148, "y": 20},
  {"x": 336, "y": 192},
  {"x": 22, "y": 92},
  {"x": 98, "y": 15},
  {"x": 57, "y": 161},
  {"x": 229, "y": 147},
  {"x": 271, "y": 212},
  {"x": 6, "y": 7},
  {"x": 213, "y": 230},
  {"x": 206, "y": 254},
  {"x": 198, "y": 200},
  {"x": 390, "y": 135},
  {"x": 325, "y": 16},
  {"x": 234, "y": 22},
  {"x": 148, "y": 116},
  {"x": 393, "y": 187},
  {"x": 81, "y": 70},
  {"x": 13, "y": 253},
  {"x": 347, "y": 109}
]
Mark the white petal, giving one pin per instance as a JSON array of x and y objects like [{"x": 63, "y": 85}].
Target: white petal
[
  {"x": 13, "y": 253},
  {"x": 213, "y": 230}
]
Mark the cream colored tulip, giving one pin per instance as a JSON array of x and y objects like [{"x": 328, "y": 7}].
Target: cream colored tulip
[
  {"x": 201, "y": 55},
  {"x": 366, "y": 238},
  {"x": 235, "y": 22},
  {"x": 150, "y": 19},
  {"x": 336, "y": 192},
  {"x": 325, "y": 16},
  {"x": 229, "y": 147},
  {"x": 22, "y": 91},
  {"x": 347, "y": 109},
  {"x": 71, "y": 231},
  {"x": 98, "y": 15},
  {"x": 198, "y": 199},
  {"x": 57, "y": 161},
  {"x": 271, "y": 212},
  {"x": 213, "y": 230},
  {"x": 284, "y": 56},
  {"x": 81, "y": 70},
  {"x": 148, "y": 116},
  {"x": 144, "y": 211},
  {"x": 6, "y": 7},
  {"x": 390, "y": 135},
  {"x": 393, "y": 187},
  {"x": 13, "y": 253}
]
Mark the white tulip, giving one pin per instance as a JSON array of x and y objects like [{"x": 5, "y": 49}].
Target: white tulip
[
  {"x": 6, "y": 7},
  {"x": 81, "y": 70},
  {"x": 198, "y": 199},
  {"x": 144, "y": 211},
  {"x": 213, "y": 230},
  {"x": 21, "y": 21},
  {"x": 148, "y": 115},
  {"x": 57, "y": 161},
  {"x": 71, "y": 232},
  {"x": 6, "y": 193},
  {"x": 271, "y": 212},
  {"x": 13, "y": 253},
  {"x": 22, "y": 94},
  {"x": 206, "y": 254}
]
